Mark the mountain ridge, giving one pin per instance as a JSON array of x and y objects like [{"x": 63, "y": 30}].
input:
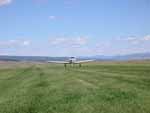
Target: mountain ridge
[{"x": 135, "y": 56}]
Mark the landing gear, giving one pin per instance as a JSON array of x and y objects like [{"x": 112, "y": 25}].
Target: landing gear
[
  {"x": 65, "y": 65},
  {"x": 73, "y": 64},
  {"x": 79, "y": 65}
]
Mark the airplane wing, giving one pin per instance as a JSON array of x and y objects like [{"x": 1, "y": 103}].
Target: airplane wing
[
  {"x": 58, "y": 62},
  {"x": 84, "y": 61}
]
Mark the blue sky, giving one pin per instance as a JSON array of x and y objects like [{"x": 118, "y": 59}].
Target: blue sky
[{"x": 74, "y": 27}]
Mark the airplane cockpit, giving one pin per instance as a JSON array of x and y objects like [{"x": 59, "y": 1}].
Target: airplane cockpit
[{"x": 72, "y": 60}]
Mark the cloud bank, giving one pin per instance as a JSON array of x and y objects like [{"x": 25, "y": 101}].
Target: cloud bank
[
  {"x": 69, "y": 42},
  {"x": 135, "y": 39},
  {"x": 5, "y": 2},
  {"x": 14, "y": 43}
]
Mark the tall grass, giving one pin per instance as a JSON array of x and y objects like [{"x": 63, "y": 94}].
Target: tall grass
[{"x": 93, "y": 88}]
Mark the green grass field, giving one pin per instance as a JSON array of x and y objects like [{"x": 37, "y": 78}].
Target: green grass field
[{"x": 101, "y": 87}]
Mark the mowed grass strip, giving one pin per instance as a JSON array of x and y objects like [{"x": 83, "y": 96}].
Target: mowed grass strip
[{"x": 93, "y": 88}]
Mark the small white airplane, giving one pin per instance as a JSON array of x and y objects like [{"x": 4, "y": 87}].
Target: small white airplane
[{"x": 71, "y": 60}]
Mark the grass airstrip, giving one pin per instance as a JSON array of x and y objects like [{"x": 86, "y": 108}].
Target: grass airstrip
[{"x": 100, "y": 87}]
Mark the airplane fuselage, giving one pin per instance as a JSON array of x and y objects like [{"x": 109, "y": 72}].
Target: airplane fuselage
[{"x": 72, "y": 60}]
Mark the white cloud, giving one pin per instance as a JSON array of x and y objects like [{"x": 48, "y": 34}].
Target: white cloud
[
  {"x": 101, "y": 47},
  {"x": 69, "y": 42},
  {"x": 4, "y": 53},
  {"x": 5, "y": 2},
  {"x": 146, "y": 38},
  {"x": 135, "y": 39},
  {"x": 14, "y": 43},
  {"x": 52, "y": 17},
  {"x": 26, "y": 43},
  {"x": 130, "y": 38}
]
